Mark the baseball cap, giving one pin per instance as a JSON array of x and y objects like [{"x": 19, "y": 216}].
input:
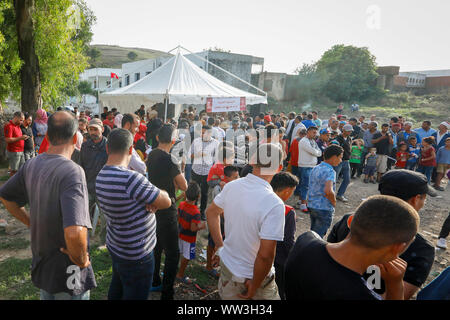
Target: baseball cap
[
  {"x": 347, "y": 127},
  {"x": 405, "y": 184},
  {"x": 96, "y": 123},
  {"x": 324, "y": 131},
  {"x": 268, "y": 118}
]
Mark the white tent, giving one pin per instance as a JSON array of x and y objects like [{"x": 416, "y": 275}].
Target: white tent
[{"x": 179, "y": 80}]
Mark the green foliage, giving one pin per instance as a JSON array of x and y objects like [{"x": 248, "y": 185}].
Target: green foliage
[
  {"x": 13, "y": 243},
  {"x": 93, "y": 54},
  {"x": 10, "y": 62},
  {"x": 63, "y": 31},
  {"x": 15, "y": 280},
  {"x": 348, "y": 74},
  {"x": 84, "y": 87},
  {"x": 132, "y": 55}
]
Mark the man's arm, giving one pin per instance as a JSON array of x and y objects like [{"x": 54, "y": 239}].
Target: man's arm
[
  {"x": 213, "y": 213},
  {"x": 409, "y": 290},
  {"x": 329, "y": 193},
  {"x": 180, "y": 182},
  {"x": 76, "y": 245},
  {"x": 263, "y": 264},
  {"x": 18, "y": 212},
  {"x": 161, "y": 202},
  {"x": 12, "y": 140}
]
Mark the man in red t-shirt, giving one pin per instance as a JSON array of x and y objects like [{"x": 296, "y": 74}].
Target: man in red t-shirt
[
  {"x": 15, "y": 142},
  {"x": 109, "y": 121}
]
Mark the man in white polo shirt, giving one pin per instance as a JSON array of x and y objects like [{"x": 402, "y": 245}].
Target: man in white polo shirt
[{"x": 254, "y": 222}]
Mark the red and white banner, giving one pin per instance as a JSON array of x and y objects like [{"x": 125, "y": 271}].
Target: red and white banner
[{"x": 225, "y": 104}]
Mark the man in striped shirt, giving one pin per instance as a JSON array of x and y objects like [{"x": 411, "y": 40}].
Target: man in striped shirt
[{"x": 128, "y": 201}]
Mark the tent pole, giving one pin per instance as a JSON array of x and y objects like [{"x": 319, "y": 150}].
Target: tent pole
[{"x": 165, "y": 112}]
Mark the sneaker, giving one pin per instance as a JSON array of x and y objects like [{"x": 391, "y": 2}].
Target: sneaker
[
  {"x": 442, "y": 243},
  {"x": 439, "y": 188},
  {"x": 342, "y": 198},
  {"x": 304, "y": 208},
  {"x": 366, "y": 180}
]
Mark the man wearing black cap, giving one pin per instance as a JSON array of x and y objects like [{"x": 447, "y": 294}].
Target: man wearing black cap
[
  {"x": 413, "y": 188},
  {"x": 345, "y": 141}
]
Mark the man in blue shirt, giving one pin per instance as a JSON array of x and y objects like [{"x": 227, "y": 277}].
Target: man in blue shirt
[
  {"x": 425, "y": 131},
  {"x": 321, "y": 190},
  {"x": 309, "y": 121}
]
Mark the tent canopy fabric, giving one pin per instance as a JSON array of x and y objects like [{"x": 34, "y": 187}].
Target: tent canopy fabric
[{"x": 179, "y": 79}]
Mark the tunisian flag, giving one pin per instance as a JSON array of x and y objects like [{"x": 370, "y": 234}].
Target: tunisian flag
[{"x": 113, "y": 75}]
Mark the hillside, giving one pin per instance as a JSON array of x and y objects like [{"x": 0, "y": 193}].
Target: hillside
[
  {"x": 434, "y": 107},
  {"x": 115, "y": 56}
]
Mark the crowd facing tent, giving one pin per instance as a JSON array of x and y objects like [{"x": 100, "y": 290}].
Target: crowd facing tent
[{"x": 149, "y": 183}]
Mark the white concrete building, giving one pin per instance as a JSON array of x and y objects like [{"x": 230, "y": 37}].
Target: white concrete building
[{"x": 101, "y": 80}]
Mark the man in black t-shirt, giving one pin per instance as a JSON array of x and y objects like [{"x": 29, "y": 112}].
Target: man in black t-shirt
[
  {"x": 382, "y": 229},
  {"x": 382, "y": 141},
  {"x": 28, "y": 149},
  {"x": 411, "y": 187},
  {"x": 164, "y": 173}
]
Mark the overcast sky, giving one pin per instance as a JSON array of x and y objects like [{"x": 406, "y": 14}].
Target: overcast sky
[{"x": 413, "y": 34}]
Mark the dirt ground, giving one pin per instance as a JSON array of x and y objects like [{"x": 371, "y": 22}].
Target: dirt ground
[{"x": 432, "y": 217}]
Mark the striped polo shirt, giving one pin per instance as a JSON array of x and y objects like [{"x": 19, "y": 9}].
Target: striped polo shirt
[{"x": 122, "y": 195}]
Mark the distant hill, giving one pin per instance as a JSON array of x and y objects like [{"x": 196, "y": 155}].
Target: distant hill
[{"x": 115, "y": 56}]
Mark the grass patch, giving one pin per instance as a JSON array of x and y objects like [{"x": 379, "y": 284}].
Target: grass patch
[
  {"x": 15, "y": 280},
  {"x": 13, "y": 244},
  {"x": 15, "y": 277},
  {"x": 4, "y": 178}
]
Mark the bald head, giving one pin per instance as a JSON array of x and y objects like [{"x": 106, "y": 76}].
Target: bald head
[{"x": 62, "y": 126}]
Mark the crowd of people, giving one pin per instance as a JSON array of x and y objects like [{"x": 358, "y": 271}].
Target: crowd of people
[{"x": 151, "y": 185}]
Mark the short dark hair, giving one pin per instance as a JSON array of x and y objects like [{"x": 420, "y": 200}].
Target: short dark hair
[
  {"x": 18, "y": 114},
  {"x": 228, "y": 170},
  {"x": 193, "y": 191},
  {"x": 283, "y": 180},
  {"x": 206, "y": 127},
  {"x": 309, "y": 116},
  {"x": 384, "y": 125},
  {"x": 114, "y": 110},
  {"x": 128, "y": 118},
  {"x": 62, "y": 126},
  {"x": 165, "y": 133},
  {"x": 312, "y": 128},
  {"x": 384, "y": 220},
  {"x": 394, "y": 119},
  {"x": 119, "y": 141},
  {"x": 332, "y": 150},
  {"x": 27, "y": 115},
  {"x": 428, "y": 122},
  {"x": 211, "y": 121}
]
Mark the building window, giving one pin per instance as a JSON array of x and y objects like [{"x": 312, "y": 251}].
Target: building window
[
  {"x": 120, "y": 84},
  {"x": 108, "y": 83},
  {"x": 95, "y": 84},
  {"x": 137, "y": 76},
  {"x": 127, "y": 79}
]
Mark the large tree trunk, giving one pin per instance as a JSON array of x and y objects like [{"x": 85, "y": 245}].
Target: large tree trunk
[{"x": 29, "y": 74}]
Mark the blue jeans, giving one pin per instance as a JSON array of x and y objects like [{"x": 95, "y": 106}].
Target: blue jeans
[
  {"x": 304, "y": 181},
  {"x": 187, "y": 172},
  {"x": 131, "y": 280},
  {"x": 320, "y": 220},
  {"x": 64, "y": 296},
  {"x": 438, "y": 289},
  {"x": 426, "y": 170},
  {"x": 344, "y": 166}
]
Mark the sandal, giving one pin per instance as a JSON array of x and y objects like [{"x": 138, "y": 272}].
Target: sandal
[{"x": 184, "y": 280}]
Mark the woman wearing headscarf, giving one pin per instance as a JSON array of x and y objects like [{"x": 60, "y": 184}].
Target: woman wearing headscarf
[{"x": 39, "y": 127}]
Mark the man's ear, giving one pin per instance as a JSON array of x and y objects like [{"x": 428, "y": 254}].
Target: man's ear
[
  {"x": 74, "y": 139},
  {"x": 349, "y": 221},
  {"x": 398, "y": 248},
  {"x": 157, "y": 138},
  {"x": 280, "y": 168},
  {"x": 131, "y": 150}
]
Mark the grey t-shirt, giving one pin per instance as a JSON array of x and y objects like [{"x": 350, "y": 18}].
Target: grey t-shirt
[{"x": 55, "y": 188}]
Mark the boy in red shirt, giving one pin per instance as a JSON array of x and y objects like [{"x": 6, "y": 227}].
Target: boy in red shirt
[
  {"x": 189, "y": 221},
  {"x": 402, "y": 156}
]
